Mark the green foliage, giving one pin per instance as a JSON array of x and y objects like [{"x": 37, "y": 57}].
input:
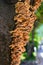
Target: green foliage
[
  {"x": 39, "y": 12},
  {"x": 36, "y": 44},
  {"x": 30, "y": 36},
  {"x": 26, "y": 57}
]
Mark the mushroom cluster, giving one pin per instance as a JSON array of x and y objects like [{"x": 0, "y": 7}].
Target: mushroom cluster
[{"x": 24, "y": 21}]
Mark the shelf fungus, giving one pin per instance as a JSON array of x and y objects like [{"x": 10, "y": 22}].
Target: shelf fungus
[{"x": 24, "y": 21}]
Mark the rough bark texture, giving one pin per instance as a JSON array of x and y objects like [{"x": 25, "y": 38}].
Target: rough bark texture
[
  {"x": 24, "y": 22},
  {"x": 6, "y": 24}
]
